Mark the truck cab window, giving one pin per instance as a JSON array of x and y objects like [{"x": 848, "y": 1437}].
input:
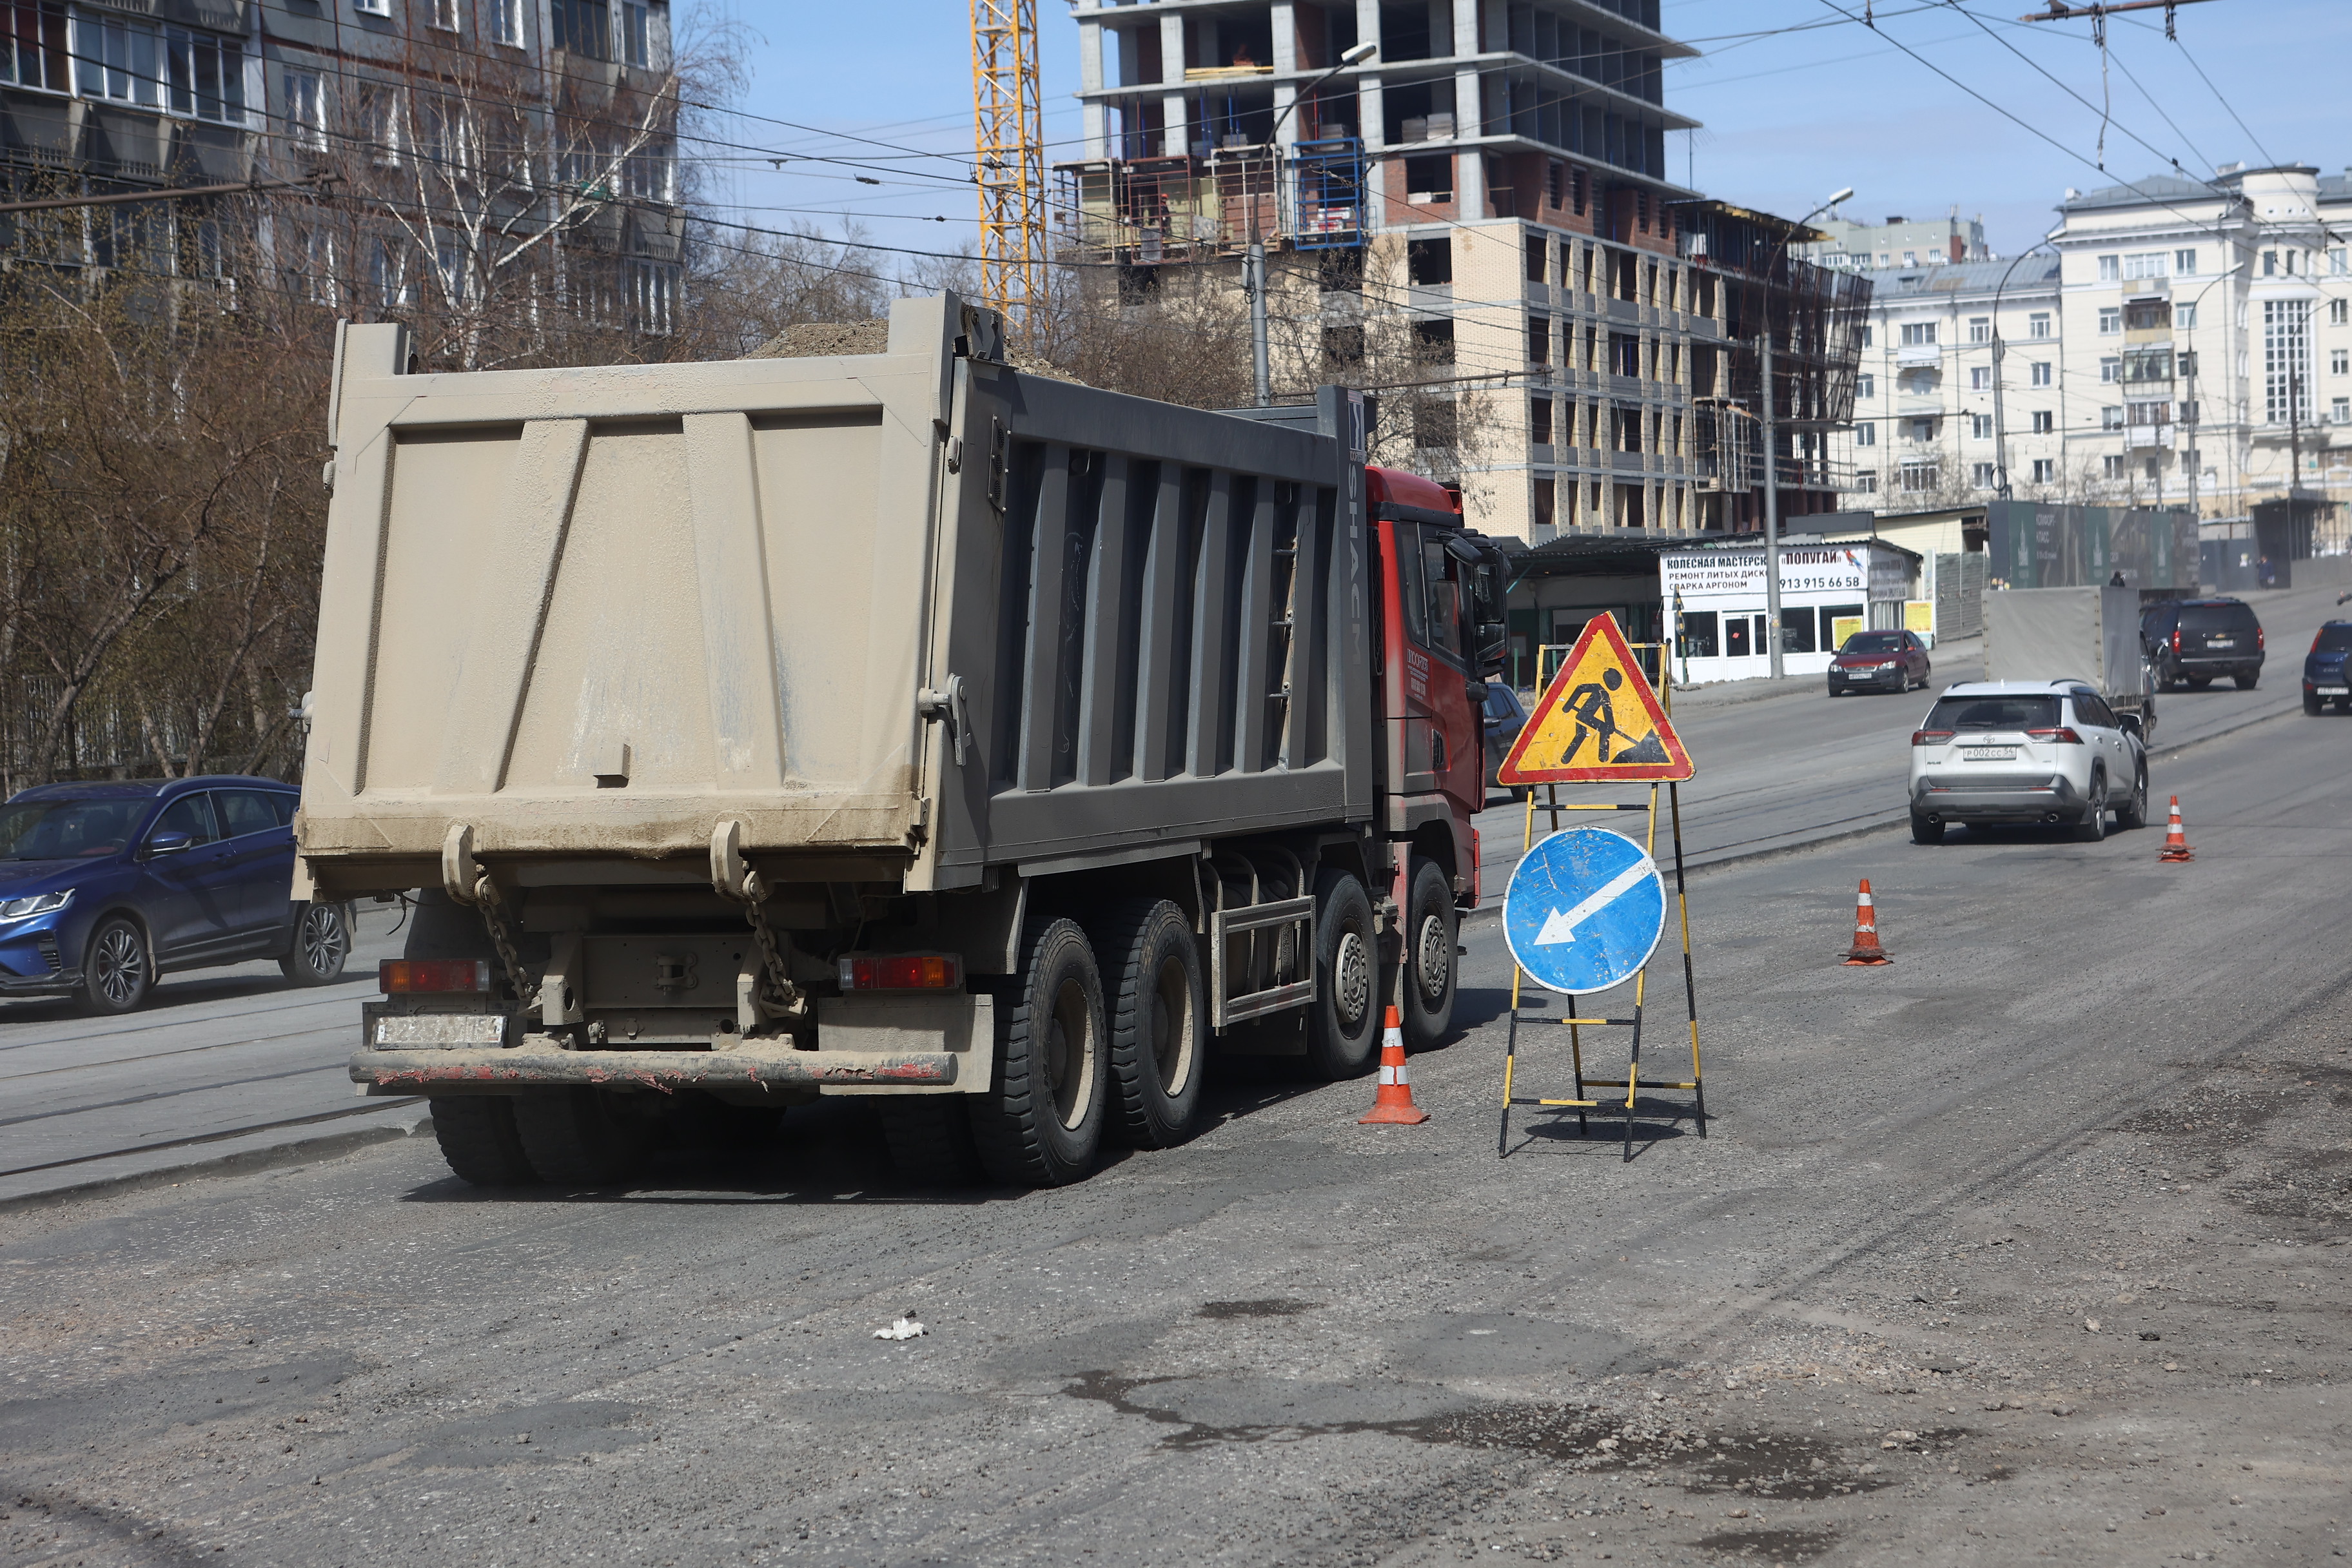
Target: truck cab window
[
  {"x": 1411, "y": 592},
  {"x": 1449, "y": 632}
]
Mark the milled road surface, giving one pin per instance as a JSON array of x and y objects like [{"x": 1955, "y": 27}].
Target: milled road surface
[{"x": 2027, "y": 1246}]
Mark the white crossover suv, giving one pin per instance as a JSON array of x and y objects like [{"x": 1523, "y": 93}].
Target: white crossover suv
[{"x": 2026, "y": 751}]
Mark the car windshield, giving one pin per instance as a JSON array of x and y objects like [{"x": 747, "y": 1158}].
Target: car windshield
[
  {"x": 1874, "y": 642},
  {"x": 66, "y": 829},
  {"x": 1994, "y": 713},
  {"x": 2217, "y": 618},
  {"x": 2332, "y": 638}
]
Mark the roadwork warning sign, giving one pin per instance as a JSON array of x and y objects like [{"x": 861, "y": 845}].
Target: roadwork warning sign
[{"x": 1599, "y": 723}]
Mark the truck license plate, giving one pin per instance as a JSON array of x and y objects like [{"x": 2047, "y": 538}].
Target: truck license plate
[
  {"x": 1989, "y": 753},
  {"x": 2220, "y": 642}
]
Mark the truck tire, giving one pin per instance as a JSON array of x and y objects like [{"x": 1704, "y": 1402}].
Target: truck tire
[
  {"x": 478, "y": 1138},
  {"x": 578, "y": 1137},
  {"x": 1159, "y": 1008},
  {"x": 929, "y": 1139},
  {"x": 1343, "y": 1023},
  {"x": 1429, "y": 965},
  {"x": 1041, "y": 1123}
]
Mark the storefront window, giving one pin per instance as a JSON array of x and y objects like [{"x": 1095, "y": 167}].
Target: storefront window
[
  {"x": 1796, "y": 631},
  {"x": 1698, "y": 640},
  {"x": 1832, "y": 614}
]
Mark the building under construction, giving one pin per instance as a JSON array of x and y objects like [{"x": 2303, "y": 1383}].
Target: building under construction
[{"x": 1477, "y": 221}]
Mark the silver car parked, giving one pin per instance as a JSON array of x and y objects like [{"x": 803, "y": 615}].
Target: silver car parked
[{"x": 2025, "y": 752}]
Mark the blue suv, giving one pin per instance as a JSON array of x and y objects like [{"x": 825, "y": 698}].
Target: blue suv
[
  {"x": 2324, "y": 677},
  {"x": 103, "y": 885}
]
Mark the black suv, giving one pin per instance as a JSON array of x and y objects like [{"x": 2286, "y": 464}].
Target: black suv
[{"x": 2197, "y": 639}]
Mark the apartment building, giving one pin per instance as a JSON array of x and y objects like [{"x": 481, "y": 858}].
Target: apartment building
[
  {"x": 2209, "y": 324},
  {"x": 1492, "y": 186},
  {"x": 450, "y": 132},
  {"x": 1898, "y": 243},
  {"x": 1962, "y": 386}
]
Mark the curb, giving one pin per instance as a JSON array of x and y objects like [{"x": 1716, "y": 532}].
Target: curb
[{"x": 325, "y": 1147}]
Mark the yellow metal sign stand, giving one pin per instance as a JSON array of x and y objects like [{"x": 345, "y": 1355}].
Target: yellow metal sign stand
[{"x": 1632, "y": 1082}]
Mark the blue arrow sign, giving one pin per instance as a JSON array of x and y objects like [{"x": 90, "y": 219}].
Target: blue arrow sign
[{"x": 1584, "y": 911}]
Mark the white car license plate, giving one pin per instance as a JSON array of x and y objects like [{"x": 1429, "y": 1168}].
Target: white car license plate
[
  {"x": 1989, "y": 753},
  {"x": 2220, "y": 642},
  {"x": 2332, "y": 691}
]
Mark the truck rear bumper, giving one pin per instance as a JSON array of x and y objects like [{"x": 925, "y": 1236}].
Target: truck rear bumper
[{"x": 493, "y": 1071}]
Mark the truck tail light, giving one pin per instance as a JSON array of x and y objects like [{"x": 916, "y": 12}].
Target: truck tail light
[
  {"x": 902, "y": 971},
  {"x": 2175, "y": 640},
  {"x": 1930, "y": 737},
  {"x": 2060, "y": 736},
  {"x": 408, "y": 976}
]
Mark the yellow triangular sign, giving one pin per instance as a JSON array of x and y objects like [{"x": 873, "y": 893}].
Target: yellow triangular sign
[{"x": 1599, "y": 721}]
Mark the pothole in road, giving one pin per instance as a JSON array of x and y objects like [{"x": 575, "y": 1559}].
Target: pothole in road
[
  {"x": 1773, "y": 1545},
  {"x": 1272, "y": 1308}
]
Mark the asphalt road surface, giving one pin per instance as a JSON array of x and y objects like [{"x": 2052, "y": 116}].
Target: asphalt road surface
[{"x": 2029, "y": 1245}]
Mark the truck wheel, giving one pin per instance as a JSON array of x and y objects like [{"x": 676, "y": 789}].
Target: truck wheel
[
  {"x": 1159, "y": 1016},
  {"x": 929, "y": 1137},
  {"x": 578, "y": 1137},
  {"x": 321, "y": 945},
  {"x": 1429, "y": 958},
  {"x": 478, "y": 1138},
  {"x": 1343, "y": 1023},
  {"x": 1041, "y": 1123}
]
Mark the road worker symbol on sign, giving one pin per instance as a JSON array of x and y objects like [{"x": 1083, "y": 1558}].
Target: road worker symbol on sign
[{"x": 1599, "y": 723}]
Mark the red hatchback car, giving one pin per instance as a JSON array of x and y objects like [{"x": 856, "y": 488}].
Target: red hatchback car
[{"x": 1880, "y": 661}]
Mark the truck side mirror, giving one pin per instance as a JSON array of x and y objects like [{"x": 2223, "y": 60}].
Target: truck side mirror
[{"x": 1494, "y": 644}]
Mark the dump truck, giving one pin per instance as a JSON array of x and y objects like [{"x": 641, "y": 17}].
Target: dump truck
[
  {"x": 2089, "y": 634},
  {"x": 902, "y": 724}
]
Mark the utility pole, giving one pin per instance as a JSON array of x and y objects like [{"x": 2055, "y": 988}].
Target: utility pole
[
  {"x": 1254, "y": 258},
  {"x": 1771, "y": 500}
]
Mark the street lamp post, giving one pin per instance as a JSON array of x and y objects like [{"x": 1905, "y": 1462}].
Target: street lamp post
[
  {"x": 1771, "y": 443},
  {"x": 1254, "y": 259}
]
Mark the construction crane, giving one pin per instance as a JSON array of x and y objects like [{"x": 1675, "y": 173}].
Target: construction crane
[{"x": 1010, "y": 149}]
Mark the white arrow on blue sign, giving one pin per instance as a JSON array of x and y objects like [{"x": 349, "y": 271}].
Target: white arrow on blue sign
[{"x": 1584, "y": 911}]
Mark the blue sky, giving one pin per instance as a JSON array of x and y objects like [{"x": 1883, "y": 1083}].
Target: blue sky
[{"x": 1789, "y": 115}]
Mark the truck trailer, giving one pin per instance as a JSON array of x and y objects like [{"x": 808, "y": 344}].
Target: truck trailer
[{"x": 904, "y": 725}]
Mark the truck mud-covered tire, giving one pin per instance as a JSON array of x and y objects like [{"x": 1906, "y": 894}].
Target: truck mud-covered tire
[
  {"x": 929, "y": 1139},
  {"x": 1041, "y": 1123},
  {"x": 1343, "y": 1023},
  {"x": 478, "y": 1138},
  {"x": 1158, "y": 1005},
  {"x": 579, "y": 1137},
  {"x": 1431, "y": 966}
]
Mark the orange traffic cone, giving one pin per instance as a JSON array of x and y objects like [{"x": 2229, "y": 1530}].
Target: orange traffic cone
[
  {"x": 2176, "y": 843},
  {"x": 1395, "y": 1102},
  {"x": 1865, "y": 948}
]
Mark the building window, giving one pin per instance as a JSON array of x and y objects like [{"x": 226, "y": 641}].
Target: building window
[
  {"x": 506, "y": 23},
  {"x": 1918, "y": 333},
  {"x": 2110, "y": 268},
  {"x": 1917, "y": 477},
  {"x": 2338, "y": 262},
  {"x": 2111, "y": 370},
  {"x": 1865, "y": 433},
  {"x": 446, "y": 15},
  {"x": 2037, "y": 325},
  {"x": 2287, "y": 352},
  {"x": 1428, "y": 261},
  {"x": 1865, "y": 386},
  {"x": 2111, "y": 418},
  {"x": 2339, "y": 361},
  {"x": 1980, "y": 378},
  {"x": 2111, "y": 320},
  {"x": 1538, "y": 340},
  {"x": 652, "y": 297},
  {"x": 1866, "y": 335},
  {"x": 637, "y": 49},
  {"x": 1980, "y": 426},
  {"x": 649, "y": 175},
  {"x": 1923, "y": 430},
  {"x": 2269, "y": 263},
  {"x": 1865, "y": 481},
  {"x": 1980, "y": 476},
  {"x": 2045, "y": 423},
  {"x": 2112, "y": 467},
  {"x": 33, "y": 49},
  {"x": 583, "y": 27},
  {"x": 2040, "y": 376},
  {"x": 2184, "y": 263},
  {"x": 1539, "y": 421},
  {"x": 2339, "y": 410},
  {"x": 372, "y": 7},
  {"x": 1980, "y": 328},
  {"x": 305, "y": 110},
  {"x": 2045, "y": 470},
  {"x": 2151, "y": 413},
  {"x": 2147, "y": 264},
  {"x": 2339, "y": 312},
  {"x": 118, "y": 60},
  {"x": 388, "y": 276},
  {"x": 2184, "y": 316}
]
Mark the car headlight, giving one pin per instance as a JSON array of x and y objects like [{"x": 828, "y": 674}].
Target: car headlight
[
  {"x": 1892, "y": 664},
  {"x": 38, "y": 904}
]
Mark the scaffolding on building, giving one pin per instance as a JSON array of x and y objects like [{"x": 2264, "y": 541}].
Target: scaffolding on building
[{"x": 1148, "y": 212}]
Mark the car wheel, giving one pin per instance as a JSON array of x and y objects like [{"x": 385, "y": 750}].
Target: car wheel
[
  {"x": 2200, "y": 682},
  {"x": 1926, "y": 829},
  {"x": 119, "y": 969},
  {"x": 2311, "y": 704},
  {"x": 2132, "y": 811},
  {"x": 2344, "y": 704},
  {"x": 321, "y": 946},
  {"x": 2246, "y": 682},
  {"x": 2092, "y": 828}
]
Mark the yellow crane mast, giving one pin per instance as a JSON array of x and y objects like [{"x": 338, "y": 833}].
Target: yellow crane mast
[{"x": 1010, "y": 153}]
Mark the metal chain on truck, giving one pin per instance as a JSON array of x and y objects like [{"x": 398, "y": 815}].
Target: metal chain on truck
[
  {"x": 780, "y": 994},
  {"x": 486, "y": 899}
]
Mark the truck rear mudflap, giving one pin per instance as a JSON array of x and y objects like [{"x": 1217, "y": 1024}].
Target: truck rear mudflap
[{"x": 542, "y": 1062}]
